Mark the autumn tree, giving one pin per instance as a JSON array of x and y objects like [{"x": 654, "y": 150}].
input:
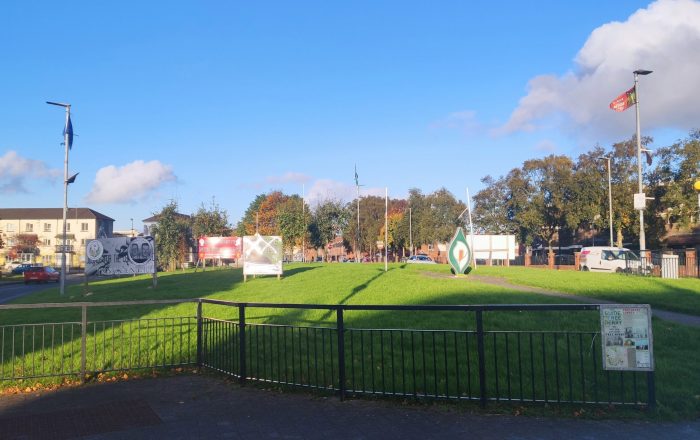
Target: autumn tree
[
  {"x": 24, "y": 244},
  {"x": 246, "y": 226},
  {"x": 212, "y": 222}
]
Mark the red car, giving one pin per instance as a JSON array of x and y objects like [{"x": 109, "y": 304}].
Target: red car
[{"x": 41, "y": 275}]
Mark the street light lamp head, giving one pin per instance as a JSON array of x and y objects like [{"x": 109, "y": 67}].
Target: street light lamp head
[
  {"x": 642, "y": 72},
  {"x": 60, "y": 104}
]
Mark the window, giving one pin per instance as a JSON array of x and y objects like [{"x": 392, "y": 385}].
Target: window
[
  {"x": 82, "y": 242},
  {"x": 10, "y": 227},
  {"x": 67, "y": 227},
  {"x": 47, "y": 227},
  {"x": 29, "y": 227},
  {"x": 47, "y": 242},
  {"x": 46, "y": 259},
  {"x": 83, "y": 227}
]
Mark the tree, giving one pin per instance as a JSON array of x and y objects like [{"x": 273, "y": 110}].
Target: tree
[
  {"x": 671, "y": 184},
  {"x": 588, "y": 209},
  {"x": 247, "y": 224},
  {"x": 24, "y": 244},
  {"x": 491, "y": 213},
  {"x": 551, "y": 198},
  {"x": 173, "y": 236},
  {"x": 290, "y": 221},
  {"x": 210, "y": 222},
  {"x": 328, "y": 221}
]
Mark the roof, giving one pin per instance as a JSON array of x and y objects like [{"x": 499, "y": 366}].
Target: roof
[
  {"x": 155, "y": 218},
  {"x": 50, "y": 213}
]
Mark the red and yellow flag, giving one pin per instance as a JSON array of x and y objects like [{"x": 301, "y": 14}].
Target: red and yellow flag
[{"x": 624, "y": 101}]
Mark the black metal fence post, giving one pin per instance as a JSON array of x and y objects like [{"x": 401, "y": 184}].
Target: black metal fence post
[
  {"x": 651, "y": 390},
  {"x": 241, "y": 344},
  {"x": 199, "y": 333},
  {"x": 341, "y": 352},
  {"x": 83, "y": 344},
  {"x": 482, "y": 357}
]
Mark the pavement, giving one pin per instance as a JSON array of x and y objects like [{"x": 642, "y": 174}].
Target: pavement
[{"x": 210, "y": 407}]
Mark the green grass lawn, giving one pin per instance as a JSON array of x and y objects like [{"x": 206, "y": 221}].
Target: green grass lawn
[
  {"x": 676, "y": 354},
  {"x": 681, "y": 295}
]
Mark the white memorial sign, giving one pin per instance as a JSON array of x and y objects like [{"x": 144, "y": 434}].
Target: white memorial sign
[{"x": 626, "y": 337}]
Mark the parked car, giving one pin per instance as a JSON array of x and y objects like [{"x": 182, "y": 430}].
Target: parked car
[
  {"x": 611, "y": 259},
  {"x": 19, "y": 270},
  {"x": 41, "y": 274},
  {"x": 420, "y": 259},
  {"x": 12, "y": 265}
]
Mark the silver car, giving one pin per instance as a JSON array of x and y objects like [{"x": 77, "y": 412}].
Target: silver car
[{"x": 420, "y": 259}]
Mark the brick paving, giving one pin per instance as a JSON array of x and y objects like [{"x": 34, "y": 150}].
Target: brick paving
[{"x": 208, "y": 407}]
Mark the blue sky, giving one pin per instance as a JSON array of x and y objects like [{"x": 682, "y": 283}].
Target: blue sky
[{"x": 226, "y": 100}]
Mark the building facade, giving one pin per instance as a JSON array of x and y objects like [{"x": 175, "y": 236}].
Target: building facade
[{"x": 46, "y": 224}]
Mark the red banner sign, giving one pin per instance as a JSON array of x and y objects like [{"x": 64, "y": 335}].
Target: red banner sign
[{"x": 228, "y": 248}]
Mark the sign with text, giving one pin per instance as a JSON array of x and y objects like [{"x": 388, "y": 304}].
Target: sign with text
[
  {"x": 120, "y": 256},
  {"x": 262, "y": 255},
  {"x": 227, "y": 248},
  {"x": 626, "y": 337}
]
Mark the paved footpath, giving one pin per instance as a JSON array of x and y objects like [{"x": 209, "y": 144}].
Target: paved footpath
[{"x": 206, "y": 407}]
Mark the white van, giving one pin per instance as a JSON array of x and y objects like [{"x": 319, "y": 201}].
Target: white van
[{"x": 609, "y": 259}]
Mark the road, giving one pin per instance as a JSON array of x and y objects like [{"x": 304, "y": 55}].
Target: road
[{"x": 8, "y": 292}]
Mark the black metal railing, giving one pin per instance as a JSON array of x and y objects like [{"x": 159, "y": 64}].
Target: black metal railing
[
  {"x": 334, "y": 354},
  {"x": 477, "y": 364}
]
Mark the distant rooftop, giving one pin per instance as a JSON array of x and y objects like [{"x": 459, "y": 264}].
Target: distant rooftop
[{"x": 50, "y": 213}]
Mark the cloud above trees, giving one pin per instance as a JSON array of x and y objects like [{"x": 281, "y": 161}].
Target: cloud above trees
[
  {"x": 15, "y": 170},
  {"x": 664, "y": 37},
  {"x": 129, "y": 183}
]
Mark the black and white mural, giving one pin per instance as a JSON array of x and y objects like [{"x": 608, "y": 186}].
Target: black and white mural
[{"x": 120, "y": 256}]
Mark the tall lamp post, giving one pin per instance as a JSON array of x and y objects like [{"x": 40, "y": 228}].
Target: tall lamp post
[
  {"x": 67, "y": 142},
  {"x": 607, "y": 158},
  {"x": 642, "y": 236}
]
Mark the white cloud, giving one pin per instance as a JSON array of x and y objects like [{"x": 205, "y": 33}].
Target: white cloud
[
  {"x": 15, "y": 169},
  {"x": 290, "y": 177},
  {"x": 130, "y": 182},
  {"x": 545, "y": 145},
  {"x": 327, "y": 189},
  {"x": 463, "y": 120},
  {"x": 664, "y": 37}
]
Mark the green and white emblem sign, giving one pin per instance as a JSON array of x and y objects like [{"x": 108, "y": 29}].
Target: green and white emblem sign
[{"x": 459, "y": 253}]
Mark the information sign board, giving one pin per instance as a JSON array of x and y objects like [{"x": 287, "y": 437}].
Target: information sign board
[{"x": 626, "y": 337}]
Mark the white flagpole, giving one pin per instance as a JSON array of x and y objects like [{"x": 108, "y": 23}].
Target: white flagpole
[
  {"x": 303, "y": 236},
  {"x": 471, "y": 230},
  {"x": 386, "y": 229}
]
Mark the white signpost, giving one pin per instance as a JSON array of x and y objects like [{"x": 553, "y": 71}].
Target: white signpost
[{"x": 626, "y": 337}]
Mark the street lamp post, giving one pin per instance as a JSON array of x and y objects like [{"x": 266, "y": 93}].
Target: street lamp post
[
  {"x": 410, "y": 230},
  {"x": 132, "y": 227},
  {"x": 642, "y": 236},
  {"x": 67, "y": 141},
  {"x": 610, "y": 216}
]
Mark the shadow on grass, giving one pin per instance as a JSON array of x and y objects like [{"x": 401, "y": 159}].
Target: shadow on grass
[{"x": 297, "y": 270}]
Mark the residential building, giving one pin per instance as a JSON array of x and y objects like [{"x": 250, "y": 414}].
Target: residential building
[{"x": 82, "y": 225}]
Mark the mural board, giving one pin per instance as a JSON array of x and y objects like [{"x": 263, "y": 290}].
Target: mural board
[{"x": 120, "y": 256}]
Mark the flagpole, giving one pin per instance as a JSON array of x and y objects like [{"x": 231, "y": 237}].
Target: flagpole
[
  {"x": 303, "y": 236},
  {"x": 386, "y": 229}
]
